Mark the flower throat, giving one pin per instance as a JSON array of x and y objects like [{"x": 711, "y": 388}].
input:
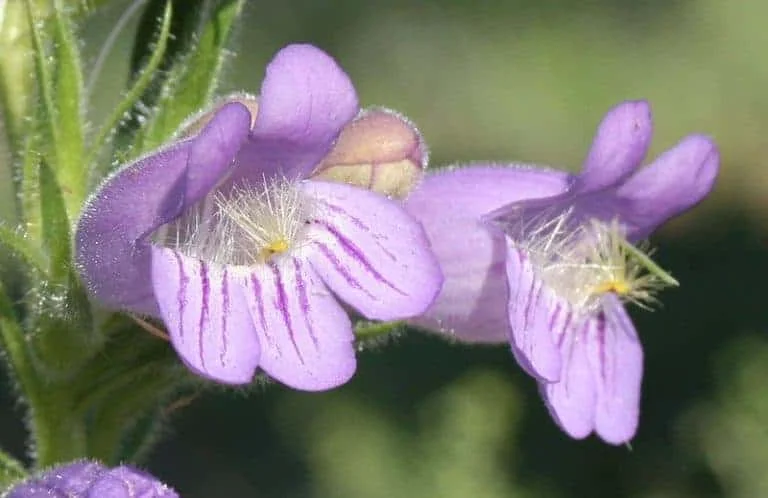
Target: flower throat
[
  {"x": 245, "y": 227},
  {"x": 581, "y": 262}
]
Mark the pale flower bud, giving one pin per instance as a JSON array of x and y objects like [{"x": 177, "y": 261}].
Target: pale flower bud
[{"x": 380, "y": 151}]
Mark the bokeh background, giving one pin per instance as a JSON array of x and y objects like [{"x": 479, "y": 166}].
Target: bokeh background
[{"x": 517, "y": 80}]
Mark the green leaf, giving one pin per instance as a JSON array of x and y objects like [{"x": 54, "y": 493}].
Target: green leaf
[
  {"x": 192, "y": 82},
  {"x": 131, "y": 99},
  {"x": 59, "y": 88},
  {"x": 29, "y": 185},
  {"x": 55, "y": 225},
  {"x": 16, "y": 79},
  {"x": 186, "y": 21},
  {"x": 67, "y": 93}
]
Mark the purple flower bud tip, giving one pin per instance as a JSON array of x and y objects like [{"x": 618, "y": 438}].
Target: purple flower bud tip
[{"x": 86, "y": 479}]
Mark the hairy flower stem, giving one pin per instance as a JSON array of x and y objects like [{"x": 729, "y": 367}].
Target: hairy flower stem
[{"x": 57, "y": 435}]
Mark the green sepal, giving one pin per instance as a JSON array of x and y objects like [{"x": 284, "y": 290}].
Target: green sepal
[{"x": 55, "y": 225}]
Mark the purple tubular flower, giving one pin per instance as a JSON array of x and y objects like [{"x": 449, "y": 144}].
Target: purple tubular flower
[
  {"x": 91, "y": 480},
  {"x": 544, "y": 260},
  {"x": 223, "y": 237}
]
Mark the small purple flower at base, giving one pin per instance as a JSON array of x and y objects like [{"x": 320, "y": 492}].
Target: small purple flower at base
[
  {"x": 91, "y": 480},
  {"x": 224, "y": 236},
  {"x": 551, "y": 265}
]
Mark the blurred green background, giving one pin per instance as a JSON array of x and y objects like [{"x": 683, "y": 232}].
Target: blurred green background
[{"x": 522, "y": 80}]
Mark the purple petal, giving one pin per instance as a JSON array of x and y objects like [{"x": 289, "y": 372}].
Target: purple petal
[
  {"x": 75, "y": 477},
  {"x": 535, "y": 316},
  {"x": 616, "y": 357},
  {"x": 673, "y": 183},
  {"x": 206, "y": 314},
  {"x": 619, "y": 146},
  {"x": 371, "y": 252},
  {"x": 306, "y": 99},
  {"x": 111, "y": 241},
  {"x": 450, "y": 204},
  {"x": 306, "y": 337},
  {"x": 82, "y": 479},
  {"x": 571, "y": 401}
]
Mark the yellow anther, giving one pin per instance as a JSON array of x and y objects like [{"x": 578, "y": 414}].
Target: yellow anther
[
  {"x": 618, "y": 287},
  {"x": 275, "y": 247}
]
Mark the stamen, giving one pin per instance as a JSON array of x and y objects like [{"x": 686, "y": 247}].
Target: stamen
[
  {"x": 246, "y": 226},
  {"x": 582, "y": 261}
]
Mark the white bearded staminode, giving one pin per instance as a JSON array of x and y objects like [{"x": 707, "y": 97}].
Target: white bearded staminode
[
  {"x": 247, "y": 226},
  {"x": 581, "y": 262}
]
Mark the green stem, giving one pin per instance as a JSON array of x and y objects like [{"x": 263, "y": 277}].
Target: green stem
[
  {"x": 115, "y": 418},
  {"x": 57, "y": 435},
  {"x": 372, "y": 330}
]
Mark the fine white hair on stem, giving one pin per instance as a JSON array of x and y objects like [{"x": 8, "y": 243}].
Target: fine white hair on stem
[{"x": 109, "y": 43}]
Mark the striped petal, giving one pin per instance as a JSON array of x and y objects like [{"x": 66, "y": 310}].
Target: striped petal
[
  {"x": 675, "y": 182},
  {"x": 616, "y": 359},
  {"x": 306, "y": 337},
  {"x": 370, "y": 252},
  {"x": 571, "y": 400},
  {"x": 535, "y": 316},
  {"x": 112, "y": 237},
  {"x": 205, "y": 312}
]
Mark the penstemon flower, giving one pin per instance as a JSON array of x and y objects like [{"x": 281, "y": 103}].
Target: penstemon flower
[
  {"x": 552, "y": 261},
  {"x": 86, "y": 479},
  {"x": 222, "y": 236}
]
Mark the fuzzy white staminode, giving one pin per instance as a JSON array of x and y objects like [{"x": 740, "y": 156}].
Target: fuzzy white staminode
[
  {"x": 581, "y": 262},
  {"x": 248, "y": 226}
]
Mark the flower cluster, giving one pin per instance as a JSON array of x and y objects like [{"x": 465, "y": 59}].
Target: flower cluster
[{"x": 244, "y": 235}]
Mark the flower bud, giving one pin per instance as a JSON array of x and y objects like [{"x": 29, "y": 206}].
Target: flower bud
[
  {"x": 380, "y": 151},
  {"x": 84, "y": 479}
]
